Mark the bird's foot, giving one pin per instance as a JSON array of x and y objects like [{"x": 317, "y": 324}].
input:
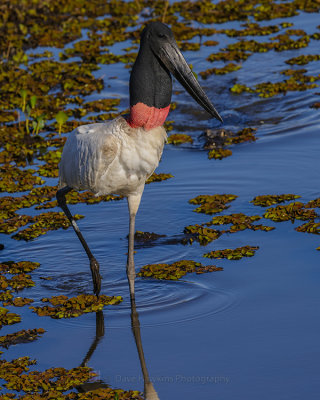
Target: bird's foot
[{"x": 96, "y": 277}]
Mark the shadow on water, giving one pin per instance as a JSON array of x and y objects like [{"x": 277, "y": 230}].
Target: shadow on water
[{"x": 149, "y": 391}]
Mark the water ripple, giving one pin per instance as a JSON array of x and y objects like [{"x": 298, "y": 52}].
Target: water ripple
[{"x": 163, "y": 302}]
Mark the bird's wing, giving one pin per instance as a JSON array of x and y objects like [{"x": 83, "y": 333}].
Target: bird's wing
[{"x": 89, "y": 152}]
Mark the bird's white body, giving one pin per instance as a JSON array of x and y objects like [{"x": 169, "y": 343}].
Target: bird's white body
[
  {"x": 110, "y": 157},
  {"x": 117, "y": 157}
]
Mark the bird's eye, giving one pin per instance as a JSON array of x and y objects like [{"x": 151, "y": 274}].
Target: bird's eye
[{"x": 161, "y": 35}]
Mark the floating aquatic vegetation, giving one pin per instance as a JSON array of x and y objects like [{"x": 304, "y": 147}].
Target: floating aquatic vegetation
[
  {"x": 12, "y": 222},
  {"x": 43, "y": 223},
  {"x": 220, "y": 71},
  {"x": 14, "y": 179},
  {"x": 229, "y": 10},
  {"x": 271, "y": 10},
  {"x": 212, "y": 204},
  {"x": 64, "y": 307},
  {"x": 289, "y": 212},
  {"x": 142, "y": 237},
  {"x": 210, "y": 43},
  {"x": 240, "y": 88},
  {"x": 15, "y": 367},
  {"x": 217, "y": 139},
  {"x": 5, "y": 294},
  {"x": 233, "y": 254},
  {"x": 8, "y": 318},
  {"x": 76, "y": 197},
  {"x": 18, "y": 302},
  {"x": 315, "y": 105},
  {"x": 189, "y": 46},
  {"x": 270, "y": 199},
  {"x": 313, "y": 203},
  {"x": 11, "y": 267},
  {"x": 252, "y": 29},
  {"x": 303, "y": 59},
  {"x": 219, "y": 154},
  {"x": 17, "y": 282},
  {"x": 239, "y": 222},
  {"x": 242, "y": 136},
  {"x": 286, "y": 43},
  {"x": 110, "y": 394},
  {"x": 50, "y": 383},
  {"x": 20, "y": 281},
  {"x": 23, "y": 336},
  {"x": 175, "y": 270},
  {"x": 309, "y": 227},
  {"x": 158, "y": 177},
  {"x": 234, "y": 55},
  {"x": 102, "y": 105},
  {"x": 52, "y": 159},
  {"x": 251, "y": 46},
  {"x": 179, "y": 138},
  {"x": 201, "y": 234},
  {"x": 298, "y": 82}
]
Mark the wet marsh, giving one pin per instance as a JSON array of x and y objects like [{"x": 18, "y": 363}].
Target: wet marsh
[{"x": 228, "y": 245}]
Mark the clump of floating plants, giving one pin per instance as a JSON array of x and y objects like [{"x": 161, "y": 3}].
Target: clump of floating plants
[
  {"x": 309, "y": 227},
  {"x": 12, "y": 267},
  {"x": 145, "y": 237},
  {"x": 201, "y": 234},
  {"x": 303, "y": 59},
  {"x": 64, "y": 307},
  {"x": 43, "y": 223},
  {"x": 239, "y": 222},
  {"x": 53, "y": 383},
  {"x": 175, "y": 270},
  {"x": 289, "y": 212},
  {"x": 220, "y": 71},
  {"x": 212, "y": 204},
  {"x": 158, "y": 177},
  {"x": 297, "y": 81},
  {"x": 233, "y": 254},
  {"x": 23, "y": 336},
  {"x": 179, "y": 138},
  {"x": 217, "y": 140},
  {"x": 8, "y": 318},
  {"x": 269, "y": 200}
]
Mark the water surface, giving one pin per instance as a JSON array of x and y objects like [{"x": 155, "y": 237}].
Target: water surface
[{"x": 248, "y": 332}]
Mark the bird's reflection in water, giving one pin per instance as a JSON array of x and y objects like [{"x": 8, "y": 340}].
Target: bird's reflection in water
[
  {"x": 149, "y": 391},
  {"x": 97, "y": 384}
]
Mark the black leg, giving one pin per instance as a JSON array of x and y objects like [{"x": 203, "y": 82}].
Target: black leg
[{"x": 94, "y": 266}]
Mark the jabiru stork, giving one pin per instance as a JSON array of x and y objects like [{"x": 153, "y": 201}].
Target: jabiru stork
[{"x": 118, "y": 156}]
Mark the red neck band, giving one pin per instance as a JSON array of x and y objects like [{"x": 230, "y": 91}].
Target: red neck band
[{"x": 143, "y": 116}]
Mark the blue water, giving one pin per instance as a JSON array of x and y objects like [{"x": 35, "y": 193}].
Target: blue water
[{"x": 248, "y": 332}]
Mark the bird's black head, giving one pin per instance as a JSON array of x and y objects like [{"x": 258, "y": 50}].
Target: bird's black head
[
  {"x": 150, "y": 81},
  {"x": 161, "y": 40},
  {"x": 155, "y": 35}
]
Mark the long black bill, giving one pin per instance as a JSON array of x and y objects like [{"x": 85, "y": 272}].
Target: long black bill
[{"x": 172, "y": 58}]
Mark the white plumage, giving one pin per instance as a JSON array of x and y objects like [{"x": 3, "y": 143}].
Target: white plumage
[{"x": 110, "y": 157}]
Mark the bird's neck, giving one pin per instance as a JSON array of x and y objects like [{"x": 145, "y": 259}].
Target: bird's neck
[{"x": 150, "y": 91}]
